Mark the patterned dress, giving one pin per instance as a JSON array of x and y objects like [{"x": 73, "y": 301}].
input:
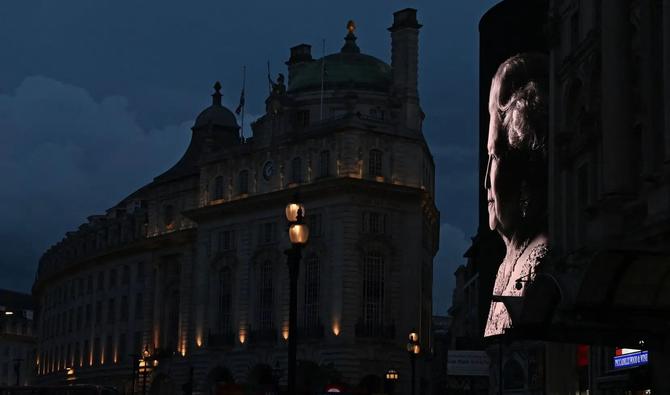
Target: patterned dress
[{"x": 509, "y": 271}]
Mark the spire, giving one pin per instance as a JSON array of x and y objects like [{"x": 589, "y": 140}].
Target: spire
[
  {"x": 350, "y": 40},
  {"x": 216, "y": 96}
]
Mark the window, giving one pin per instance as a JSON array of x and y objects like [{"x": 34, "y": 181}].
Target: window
[
  {"x": 87, "y": 351},
  {"x": 124, "y": 308},
  {"x": 225, "y": 299},
  {"x": 168, "y": 216},
  {"x": 375, "y": 163},
  {"x": 96, "y": 349},
  {"x": 139, "y": 307},
  {"x": 296, "y": 170},
  {"x": 79, "y": 317},
  {"x": 324, "y": 164},
  {"x": 314, "y": 223},
  {"x": 373, "y": 289},
  {"x": 125, "y": 275},
  {"x": 267, "y": 233},
  {"x": 374, "y": 222},
  {"x": 80, "y": 286},
  {"x": 243, "y": 182},
  {"x": 112, "y": 278},
  {"x": 377, "y": 113},
  {"x": 312, "y": 284},
  {"x": 111, "y": 310},
  {"x": 89, "y": 284},
  {"x": 98, "y": 312},
  {"x": 101, "y": 281},
  {"x": 108, "y": 356},
  {"x": 302, "y": 118},
  {"x": 88, "y": 315},
  {"x": 140, "y": 271},
  {"x": 227, "y": 240},
  {"x": 137, "y": 342},
  {"x": 122, "y": 347},
  {"x": 265, "y": 299},
  {"x": 218, "y": 188}
]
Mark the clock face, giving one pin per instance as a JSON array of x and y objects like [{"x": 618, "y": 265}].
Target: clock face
[{"x": 268, "y": 169}]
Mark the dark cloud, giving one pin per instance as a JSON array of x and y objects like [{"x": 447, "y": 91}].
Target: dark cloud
[
  {"x": 69, "y": 157},
  {"x": 96, "y": 98}
]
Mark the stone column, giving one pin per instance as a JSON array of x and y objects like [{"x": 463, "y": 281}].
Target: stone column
[{"x": 616, "y": 121}]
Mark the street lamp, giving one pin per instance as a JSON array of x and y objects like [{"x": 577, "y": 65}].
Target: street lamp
[
  {"x": 391, "y": 378},
  {"x": 413, "y": 349},
  {"x": 144, "y": 368},
  {"x": 298, "y": 233}
]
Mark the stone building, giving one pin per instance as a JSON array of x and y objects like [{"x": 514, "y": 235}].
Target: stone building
[
  {"x": 17, "y": 338},
  {"x": 190, "y": 268}
]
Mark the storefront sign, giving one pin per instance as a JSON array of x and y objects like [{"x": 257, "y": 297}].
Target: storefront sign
[{"x": 631, "y": 359}]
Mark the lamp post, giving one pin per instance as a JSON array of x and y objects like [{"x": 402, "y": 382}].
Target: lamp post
[
  {"x": 298, "y": 233},
  {"x": 413, "y": 348},
  {"x": 144, "y": 363}
]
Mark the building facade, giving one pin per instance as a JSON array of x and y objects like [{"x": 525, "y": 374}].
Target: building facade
[
  {"x": 190, "y": 268},
  {"x": 18, "y": 340}
]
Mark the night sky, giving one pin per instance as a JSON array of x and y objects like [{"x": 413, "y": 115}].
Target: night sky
[{"x": 98, "y": 97}]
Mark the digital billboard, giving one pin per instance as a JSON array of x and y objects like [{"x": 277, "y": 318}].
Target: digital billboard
[{"x": 516, "y": 176}]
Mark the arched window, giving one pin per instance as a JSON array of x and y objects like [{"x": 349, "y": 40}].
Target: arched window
[
  {"x": 375, "y": 163},
  {"x": 243, "y": 182},
  {"x": 373, "y": 290},
  {"x": 296, "y": 170},
  {"x": 265, "y": 299},
  {"x": 218, "y": 188},
  {"x": 225, "y": 300},
  {"x": 312, "y": 289}
]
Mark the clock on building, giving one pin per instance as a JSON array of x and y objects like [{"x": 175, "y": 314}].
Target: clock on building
[{"x": 268, "y": 169}]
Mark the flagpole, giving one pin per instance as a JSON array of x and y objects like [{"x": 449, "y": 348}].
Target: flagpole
[
  {"x": 323, "y": 60},
  {"x": 269, "y": 80},
  {"x": 244, "y": 103}
]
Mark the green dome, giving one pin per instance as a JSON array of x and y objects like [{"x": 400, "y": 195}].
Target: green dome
[{"x": 342, "y": 70}]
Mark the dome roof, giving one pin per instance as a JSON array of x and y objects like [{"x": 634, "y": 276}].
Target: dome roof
[
  {"x": 347, "y": 69},
  {"x": 216, "y": 114}
]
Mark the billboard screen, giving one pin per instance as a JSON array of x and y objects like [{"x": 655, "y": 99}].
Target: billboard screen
[{"x": 516, "y": 177}]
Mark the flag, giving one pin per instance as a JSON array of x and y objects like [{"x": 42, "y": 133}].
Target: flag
[{"x": 238, "y": 110}]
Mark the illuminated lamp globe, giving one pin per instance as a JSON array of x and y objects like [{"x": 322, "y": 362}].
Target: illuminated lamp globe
[
  {"x": 298, "y": 233},
  {"x": 416, "y": 349},
  {"x": 413, "y": 336},
  {"x": 292, "y": 211}
]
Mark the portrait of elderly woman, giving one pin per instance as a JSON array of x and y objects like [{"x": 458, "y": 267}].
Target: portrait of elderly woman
[{"x": 516, "y": 176}]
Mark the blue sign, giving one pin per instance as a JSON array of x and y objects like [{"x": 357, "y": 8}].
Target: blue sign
[{"x": 631, "y": 360}]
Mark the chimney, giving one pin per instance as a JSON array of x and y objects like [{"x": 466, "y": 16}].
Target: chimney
[
  {"x": 299, "y": 54},
  {"x": 405, "y": 51},
  {"x": 405, "y": 63}
]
